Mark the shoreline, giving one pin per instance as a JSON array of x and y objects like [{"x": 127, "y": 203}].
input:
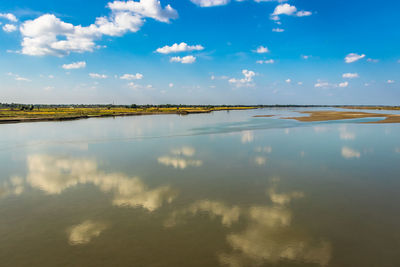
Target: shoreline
[{"x": 57, "y": 116}]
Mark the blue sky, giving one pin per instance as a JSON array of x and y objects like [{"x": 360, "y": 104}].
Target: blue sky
[{"x": 200, "y": 52}]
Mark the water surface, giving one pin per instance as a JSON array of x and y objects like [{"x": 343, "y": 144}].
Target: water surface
[{"x": 219, "y": 189}]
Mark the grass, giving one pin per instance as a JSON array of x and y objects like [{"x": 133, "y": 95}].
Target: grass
[{"x": 8, "y": 115}]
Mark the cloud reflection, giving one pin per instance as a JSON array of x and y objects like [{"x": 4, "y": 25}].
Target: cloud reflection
[
  {"x": 54, "y": 175},
  {"x": 268, "y": 235},
  {"x": 228, "y": 214},
  {"x": 247, "y": 137},
  {"x": 180, "y": 158},
  {"x": 349, "y": 153},
  {"x": 84, "y": 232},
  {"x": 13, "y": 187},
  {"x": 345, "y": 134}
]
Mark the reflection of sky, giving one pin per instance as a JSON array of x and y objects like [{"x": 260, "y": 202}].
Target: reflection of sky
[
  {"x": 268, "y": 235},
  {"x": 332, "y": 174},
  {"x": 54, "y": 175}
]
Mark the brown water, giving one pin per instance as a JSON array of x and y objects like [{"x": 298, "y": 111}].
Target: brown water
[{"x": 220, "y": 189}]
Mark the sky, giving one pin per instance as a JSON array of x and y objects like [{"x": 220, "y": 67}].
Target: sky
[{"x": 200, "y": 52}]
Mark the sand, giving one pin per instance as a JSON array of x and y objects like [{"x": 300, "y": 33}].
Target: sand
[{"x": 343, "y": 115}]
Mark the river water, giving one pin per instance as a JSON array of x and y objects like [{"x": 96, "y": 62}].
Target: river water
[{"x": 219, "y": 189}]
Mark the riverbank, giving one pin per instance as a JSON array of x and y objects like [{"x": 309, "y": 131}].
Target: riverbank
[{"x": 9, "y": 115}]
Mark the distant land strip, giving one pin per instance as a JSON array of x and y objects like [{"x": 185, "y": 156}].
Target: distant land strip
[
  {"x": 343, "y": 115},
  {"x": 16, "y": 113},
  {"x": 37, "y": 113}
]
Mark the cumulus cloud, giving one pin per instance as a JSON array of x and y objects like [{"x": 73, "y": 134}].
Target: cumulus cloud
[
  {"x": 9, "y": 28},
  {"x": 287, "y": 9},
  {"x": 75, "y": 65},
  {"x": 353, "y": 57},
  {"x": 344, "y": 84},
  {"x": 9, "y": 16},
  {"x": 210, "y": 3},
  {"x": 390, "y": 81},
  {"x": 246, "y": 81},
  {"x": 48, "y": 35},
  {"x": 261, "y": 50},
  {"x": 129, "y": 77},
  {"x": 350, "y": 75},
  {"x": 18, "y": 77},
  {"x": 183, "y": 60},
  {"x": 322, "y": 85},
  {"x": 269, "y": 61},
  {"x": 97, "y": 76},
  {"x": 303, "y": 13},
  {"x": 278, "y": 30},
  {"x": 84, "y": 232},
  {"x": 176, "y": 48}
]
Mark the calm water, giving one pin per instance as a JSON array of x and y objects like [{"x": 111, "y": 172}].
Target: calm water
[{"x": 220, "y": 189}]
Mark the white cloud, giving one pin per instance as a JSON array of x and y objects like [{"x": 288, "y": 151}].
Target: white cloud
[
  {"x": 75, "y": 65},
  {"x": 305, "y": 57},
  {"x": 129, "y": 77},
  {"x": 176, "y": 48},
  {"x": 269, "y": 61},
  {"x": 373, "y": 60},
  {"x": 97, "y": 76},
  {"x": 278, "y": 30},
  {"x": 9, "y": 28},
  {"x": 145, "y": 9},
  {"x": 390, "y": 81},
  {"x": 134, "y": 85},
  {"x": 18, "y": 78},
  {"x": 344, "y": 84},
  {"x": 170, "y": 85},
  {"x": 349, "y": 153},
  {"x": 210, "y": 3},
  {"x": 288, "y": 81},
  {"x": 284, "y": 9},
  {"x": 303, "y": 13},
  {"x": 287, "y": 9},
  {"x": 9, "y": 16},
  {"x": 261, "y": 50},
  {"x": 246, "y": 81},
  {"x": 353, "y": 57},
  {"x": 350, "y": 75},
  {"x": 183, "y": 60},
  {"x": 48, "y": 35},
  {"x": 322, "y": 85}
]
